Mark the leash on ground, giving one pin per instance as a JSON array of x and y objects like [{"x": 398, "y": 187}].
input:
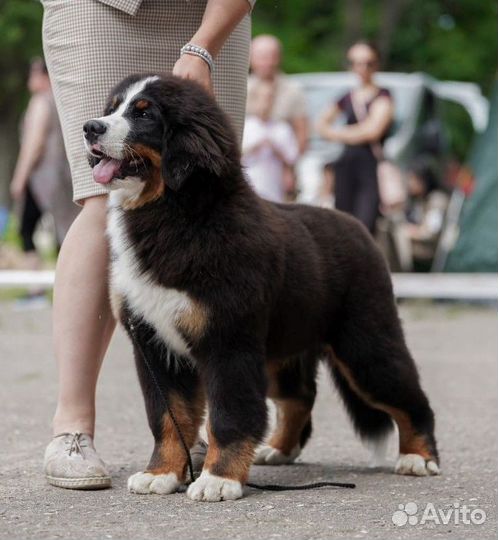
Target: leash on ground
[{"x": 264, "y": 487}]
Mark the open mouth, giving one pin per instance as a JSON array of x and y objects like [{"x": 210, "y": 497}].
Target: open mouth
[{"x": 107, "y": 168}]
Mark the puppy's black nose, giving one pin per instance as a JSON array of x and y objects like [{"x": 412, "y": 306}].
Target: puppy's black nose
[{"x": 93, "y": 129}]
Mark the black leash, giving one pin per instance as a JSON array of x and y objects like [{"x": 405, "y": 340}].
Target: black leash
[{"x": 265, "y": 487}]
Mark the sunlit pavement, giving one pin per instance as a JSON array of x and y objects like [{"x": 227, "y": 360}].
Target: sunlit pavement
[{"x": 456, "y": 350}]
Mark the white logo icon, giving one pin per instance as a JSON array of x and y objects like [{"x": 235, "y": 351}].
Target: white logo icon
[
  {"x": 405, "y": 514},
  {"x": 456, "y": 514}
]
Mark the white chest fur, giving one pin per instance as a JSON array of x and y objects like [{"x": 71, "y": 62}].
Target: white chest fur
[{"x": 159, "y": 306}]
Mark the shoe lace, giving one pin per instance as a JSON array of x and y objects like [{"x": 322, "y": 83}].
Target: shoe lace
[{"x": 75, "y": 444}]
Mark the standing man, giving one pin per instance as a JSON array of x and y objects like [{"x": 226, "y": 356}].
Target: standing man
[{"x": 289, "y": 101}]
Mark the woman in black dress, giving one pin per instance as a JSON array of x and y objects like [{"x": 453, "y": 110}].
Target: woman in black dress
[{"x": 369, "y": 113}]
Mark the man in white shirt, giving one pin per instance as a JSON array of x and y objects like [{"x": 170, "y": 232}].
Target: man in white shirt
[
  {"x": 289, "y": 102},
  {"x": 268, "y": 146}
]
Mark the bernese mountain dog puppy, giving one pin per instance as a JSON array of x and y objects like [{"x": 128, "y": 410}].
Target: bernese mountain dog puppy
[{"x": 234, "y": 298}]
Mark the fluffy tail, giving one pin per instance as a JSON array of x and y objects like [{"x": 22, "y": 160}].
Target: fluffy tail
[{"x": 371, "y": 424}]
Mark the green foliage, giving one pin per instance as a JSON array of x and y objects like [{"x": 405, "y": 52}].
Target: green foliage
[
  {"x": 449, "y": 39},
  {"x": 458, "y": 129},
  {"x": 11, "y": 235},
  {"x": 453, "y": 39},
  {"x": 20, "y": 40}
]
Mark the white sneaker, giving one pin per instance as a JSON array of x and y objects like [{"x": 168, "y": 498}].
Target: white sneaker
[{"x": 72, "y": 462}]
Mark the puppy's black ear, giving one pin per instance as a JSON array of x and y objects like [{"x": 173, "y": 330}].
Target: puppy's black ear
[{"x": 192, "y": 149}]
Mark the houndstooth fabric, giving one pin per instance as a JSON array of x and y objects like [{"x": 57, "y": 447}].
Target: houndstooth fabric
[
  {"x": 91, "y": 45},
  {"x": 131, "y": 6}
]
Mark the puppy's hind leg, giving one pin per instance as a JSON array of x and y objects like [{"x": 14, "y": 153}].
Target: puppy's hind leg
[
  {"x": 292, "y": 387},
  {"x": 378, "y": 376}
]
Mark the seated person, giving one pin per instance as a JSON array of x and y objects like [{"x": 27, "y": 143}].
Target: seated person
[{"x": 416, "y": 231}]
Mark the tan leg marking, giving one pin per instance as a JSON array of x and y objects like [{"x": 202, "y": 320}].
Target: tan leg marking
[
  {"x": 169, "y": 454},
  {"x": 232, "y": 461},
  {"x": 292, "y": 414}
]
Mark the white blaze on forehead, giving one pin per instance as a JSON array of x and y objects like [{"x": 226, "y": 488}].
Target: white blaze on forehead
[
  {"x": 131, "y": 92},
  {"x": 118, "y": 126}
]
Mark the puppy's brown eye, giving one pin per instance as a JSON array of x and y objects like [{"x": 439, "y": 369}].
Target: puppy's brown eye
[{"x": 141, "y": 113}]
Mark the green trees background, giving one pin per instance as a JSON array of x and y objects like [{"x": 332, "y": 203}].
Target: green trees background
[
  {"x": 20, "y": 40},
  {"x": 449, "y": 39}
]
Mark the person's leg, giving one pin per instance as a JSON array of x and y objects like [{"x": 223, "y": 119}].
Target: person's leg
[
  {"x": 344, "y": 186},
  {"x": 83, "y": 326},
  {"x": 366, "y": 204},
  {"x": 30, "y": 217},
  {"x": 83, "y": 322}
]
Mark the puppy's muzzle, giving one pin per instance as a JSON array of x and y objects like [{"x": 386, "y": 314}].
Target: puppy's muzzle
[{"x": 93, "y": 129}]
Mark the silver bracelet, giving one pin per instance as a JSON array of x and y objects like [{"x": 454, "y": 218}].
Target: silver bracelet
[{"x": 201, "y": 52}]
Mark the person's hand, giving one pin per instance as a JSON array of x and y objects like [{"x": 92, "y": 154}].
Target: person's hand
[
  {"x": 16, "y": 189},
  {"x": 194, "y": 68},
  {"x": 330, "y": 135},
  {"x": 415, "y": 232},
  {"x": 266, "y": 142},
  {"x": 278, "y": 153},
  {"x": 289, "y": 180}
]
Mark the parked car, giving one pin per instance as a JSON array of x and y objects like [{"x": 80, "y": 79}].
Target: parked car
[{"x": 418, "y": 127}]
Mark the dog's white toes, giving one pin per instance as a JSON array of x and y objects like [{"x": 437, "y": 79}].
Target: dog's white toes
[
  {"x": 433, "y": 468},
  {"x": 212, "y": 488},
  {"x": 415, "y": 465},
  {"x": 161, "y": 484},
  {"x": 267, "y": 455}
]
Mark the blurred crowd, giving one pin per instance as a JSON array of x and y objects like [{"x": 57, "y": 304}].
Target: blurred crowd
[
  {"x": 403, "y": 209},
  {"x": 41, "y": 183}
]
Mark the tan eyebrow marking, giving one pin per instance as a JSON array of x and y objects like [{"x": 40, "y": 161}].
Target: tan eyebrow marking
[
  {"x": 115, "y": 102},
  {"x": 142, "y": 104}
]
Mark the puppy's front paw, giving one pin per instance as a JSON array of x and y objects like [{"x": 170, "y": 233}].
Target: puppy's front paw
[
  {"x": 211, "y": 488},
  {"x": 416, "y": 465},
  {"x": 145, "y": 482},
  {"x": 267, "y": 455}
]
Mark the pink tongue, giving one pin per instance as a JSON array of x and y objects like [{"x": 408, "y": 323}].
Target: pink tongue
[{"x": 106, "y": 170}]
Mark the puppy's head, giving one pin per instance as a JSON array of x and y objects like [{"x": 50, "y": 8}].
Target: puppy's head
[{"x": 159, "y": 133}]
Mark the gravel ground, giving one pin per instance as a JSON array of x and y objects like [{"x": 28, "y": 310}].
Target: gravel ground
[{"x": 456, "y": 350}]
